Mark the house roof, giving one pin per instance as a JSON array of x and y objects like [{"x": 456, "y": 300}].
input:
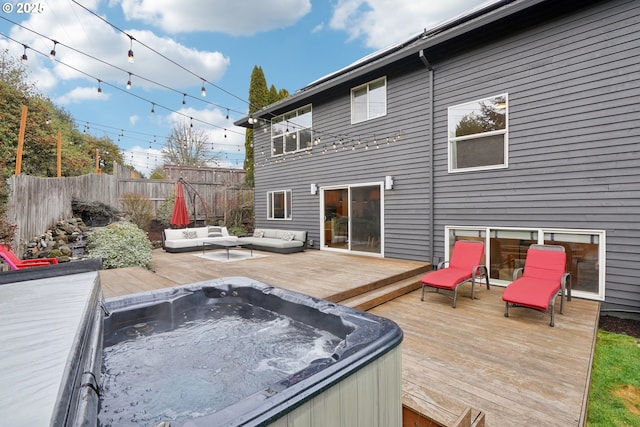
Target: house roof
[{"x": 472, "y": 20}]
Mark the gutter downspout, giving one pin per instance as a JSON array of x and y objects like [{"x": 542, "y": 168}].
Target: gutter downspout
[{"x": 428, "y": 66}]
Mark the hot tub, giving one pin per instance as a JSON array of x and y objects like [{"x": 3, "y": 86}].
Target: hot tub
[
  {"x": 57, "y": 335},
  {"x": 348, "y": 374}
]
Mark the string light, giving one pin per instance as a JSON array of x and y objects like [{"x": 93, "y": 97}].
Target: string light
[
  {"x": 203, "y": 91},
  {"x": 112, "y": 65},
  {"x": 184, "y": 100},
  {"x": 52, "y": 54},
  {"x": 129, "y": 82},
  {"x": 130, "y": 53},
  {"x": 153, "y": 108},
  {"x": 251, "y": 119},
  {"x": 24, "y": 55}
]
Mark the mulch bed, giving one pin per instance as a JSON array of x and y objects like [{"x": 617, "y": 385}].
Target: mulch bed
[
  {"x": 619, "y": 325},
  {"x": 154, "y": 231}
]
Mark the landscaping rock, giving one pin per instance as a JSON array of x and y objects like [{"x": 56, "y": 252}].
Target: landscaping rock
[{"x": 66, "y": 240}]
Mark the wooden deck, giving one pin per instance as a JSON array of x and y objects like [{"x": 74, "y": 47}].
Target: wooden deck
[{"x": 516, "y": 371}]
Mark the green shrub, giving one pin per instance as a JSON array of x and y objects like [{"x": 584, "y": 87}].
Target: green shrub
[
  {"x": 7, "y": 229},
  {"x": 121, "y": 244},
  {"x": 165, "y": 210},
  {"x": 139, "y": 209}
]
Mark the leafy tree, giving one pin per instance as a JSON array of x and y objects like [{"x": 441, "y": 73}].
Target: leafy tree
[
  {"x": 489, "y": 119},
  {"x": 44, "y": 121},
  {"x": 157, "y": 173},
  {"x": 187, "y": 146},
  {"x": 259, "y": 97}
]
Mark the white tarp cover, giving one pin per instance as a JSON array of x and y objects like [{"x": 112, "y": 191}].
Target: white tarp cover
[{"x": 39, "y": 326}]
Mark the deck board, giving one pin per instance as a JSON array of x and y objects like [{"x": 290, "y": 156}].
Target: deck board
[{"x": 517, "y": 370}]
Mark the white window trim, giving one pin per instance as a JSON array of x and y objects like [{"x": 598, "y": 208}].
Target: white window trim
[
  {"x": 297, "y": 132},
  {"x": 287, "y": 208},
  {"x": 541, "y": 232},
  {"x": 367, "y": 85},
  {"x": 504, "y": 132}
]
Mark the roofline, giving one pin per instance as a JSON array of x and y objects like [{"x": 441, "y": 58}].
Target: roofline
[{"x": 439, "y": 34}]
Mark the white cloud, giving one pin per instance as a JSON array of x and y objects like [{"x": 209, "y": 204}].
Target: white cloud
[
  {"x": 134, "y": 119},
  {"x": 104, "y": 52},
  {"x": 238, "y": 18},
  {"x": 80, "y": 94},
  {"x": 144, "y": 160},
  {"x": 381, "y": 23}
]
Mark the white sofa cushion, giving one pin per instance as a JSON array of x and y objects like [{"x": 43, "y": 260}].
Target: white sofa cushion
[{"x": 177, "y": 237}]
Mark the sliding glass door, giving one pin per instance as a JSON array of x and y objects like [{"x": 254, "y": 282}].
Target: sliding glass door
[{"x": 352, "y": 218}]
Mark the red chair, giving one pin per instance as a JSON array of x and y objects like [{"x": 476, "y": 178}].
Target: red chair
[
  {"x": 543, "y": 279},
  {"x": 465, "y": 264},
  {"x": 16, "y": 263}
]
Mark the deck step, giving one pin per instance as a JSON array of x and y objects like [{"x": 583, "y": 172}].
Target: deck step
[
  {"x": 372, "y": 298},
  {"x": 425, "y": 412}
]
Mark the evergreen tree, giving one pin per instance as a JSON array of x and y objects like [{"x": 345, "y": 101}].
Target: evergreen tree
[{"x": 259, "y": 97}]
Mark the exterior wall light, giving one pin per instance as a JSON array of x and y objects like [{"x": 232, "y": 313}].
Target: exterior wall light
[{"x": 388, "y": 182}]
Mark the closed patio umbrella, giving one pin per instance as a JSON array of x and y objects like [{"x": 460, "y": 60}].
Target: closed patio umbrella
[{"x": 180, "y": 216}]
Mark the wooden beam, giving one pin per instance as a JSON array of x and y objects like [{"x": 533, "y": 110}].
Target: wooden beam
[
  {"x": 23, "y": 126},
  {"x": 59, "y": 154}
]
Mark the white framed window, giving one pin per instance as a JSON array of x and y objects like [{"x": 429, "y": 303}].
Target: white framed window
[
  {"x": 279, "y": 204},
  {"x": 292, "y": 132},
  {"x": 478, "y": 134},
  {"x": 369, "y": 100},
  {"x": 506, "y": 250}
]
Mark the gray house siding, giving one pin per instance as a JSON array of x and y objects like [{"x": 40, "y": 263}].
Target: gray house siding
[
  {"x": 573, "y": 87},
  {"x": 574, "y": 140},
  {"x": 405, "y": 207}
]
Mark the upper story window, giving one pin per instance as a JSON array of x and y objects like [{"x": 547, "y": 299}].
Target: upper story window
[
  {"x": 291, "y": 132},
  {"x": 279, "y": 204},
  {"x": 369, "y": 101},
  {"x": 478, "y": 133}
]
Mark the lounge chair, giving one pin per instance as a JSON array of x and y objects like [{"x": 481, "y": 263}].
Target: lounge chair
[
  {"x": 465, "y": 264},
  {"x": 16, "y": 263},
  {"x": 542, "y": 280}
]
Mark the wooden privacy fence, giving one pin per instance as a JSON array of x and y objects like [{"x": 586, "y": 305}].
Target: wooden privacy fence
[{"x": 36, "y": 203}]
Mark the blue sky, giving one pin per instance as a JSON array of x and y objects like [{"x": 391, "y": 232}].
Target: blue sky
[{"x": 294, "y": 41}]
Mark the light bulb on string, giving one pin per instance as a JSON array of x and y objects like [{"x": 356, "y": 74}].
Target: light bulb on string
[
  {"x": 184, "y": 99},
  {"x": 203, "y": 91},
  {"x": 153, "y": 108},
  {"x": 52, "y": 54},
  {"x": 130, "y": 53},
  {"x": 99, "y": 87},
  {"x": 129, "y": 82},
  {"x": 24, "y": 54}
]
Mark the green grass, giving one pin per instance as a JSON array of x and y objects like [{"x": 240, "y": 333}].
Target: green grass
[{"x": 614, "y": 393}]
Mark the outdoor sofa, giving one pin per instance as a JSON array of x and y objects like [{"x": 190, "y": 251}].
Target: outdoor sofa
[
  {"x": 263, "y": 239},
  {"x": 275, "y": 240},
  {"x": 191, "y": 239}
]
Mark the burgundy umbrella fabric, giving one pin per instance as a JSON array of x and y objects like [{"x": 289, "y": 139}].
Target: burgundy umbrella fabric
[{"x": 180, "y": 216}]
